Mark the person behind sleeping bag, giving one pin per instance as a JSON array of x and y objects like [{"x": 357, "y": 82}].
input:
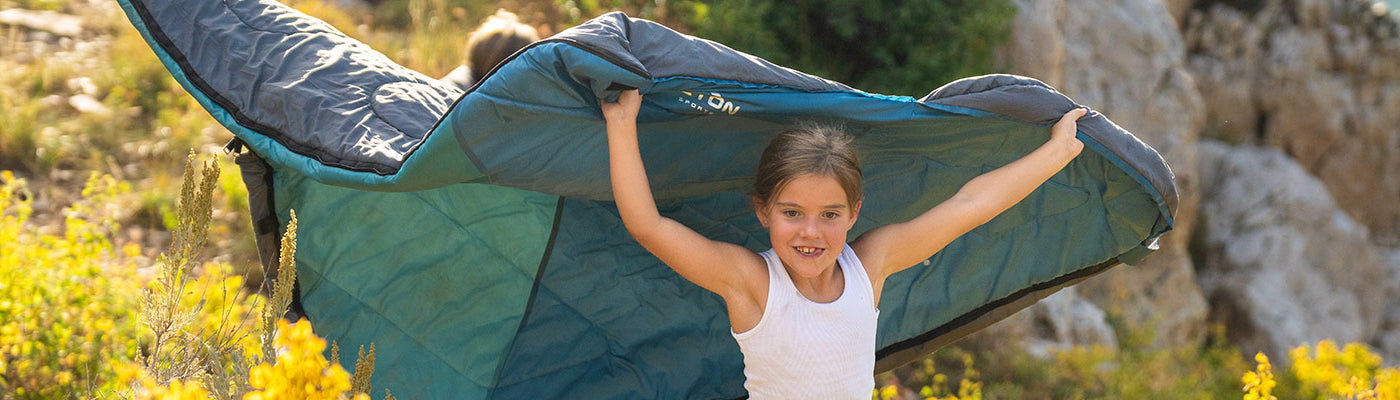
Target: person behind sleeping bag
[
  {"x": 804, "y": 313},
  {"x": 492, "y": 42}
]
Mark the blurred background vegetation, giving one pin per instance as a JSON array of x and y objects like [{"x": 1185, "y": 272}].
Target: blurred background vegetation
[{"x": 93, "y": 130}]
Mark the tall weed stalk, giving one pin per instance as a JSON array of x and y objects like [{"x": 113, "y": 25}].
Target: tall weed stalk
[
  {"x": 217, "y": 358},
  {"x": 179, "y": 350}
]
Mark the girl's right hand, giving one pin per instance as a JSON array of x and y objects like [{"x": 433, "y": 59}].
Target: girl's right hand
[{"x": 625, "y": 109}]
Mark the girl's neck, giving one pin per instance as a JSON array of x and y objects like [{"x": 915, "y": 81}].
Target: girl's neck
[{"x": 824, "y": 288}]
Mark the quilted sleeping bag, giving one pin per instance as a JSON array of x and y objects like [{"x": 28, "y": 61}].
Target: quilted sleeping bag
[{"x": 471, "y": 237}]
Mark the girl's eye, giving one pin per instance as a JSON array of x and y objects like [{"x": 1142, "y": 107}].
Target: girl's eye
[
  {"x": 831, "y": 215},
  {"x": 790, "y": 213}
]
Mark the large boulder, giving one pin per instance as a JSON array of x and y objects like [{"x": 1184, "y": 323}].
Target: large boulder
[
  {"x": 1282, "y": 263},
  {"x": 1127, "y": 60},
  {"x": 1317, "y": 79},
  {"x": 1058, "y": 322},
  {"x": 1388, "y": 340}
]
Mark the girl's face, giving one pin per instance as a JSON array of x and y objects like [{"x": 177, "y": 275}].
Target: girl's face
[{"x": 807, "y": 221}]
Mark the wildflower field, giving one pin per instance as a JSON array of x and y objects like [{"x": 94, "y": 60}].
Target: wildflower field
[{"x": 127, "y": 268}]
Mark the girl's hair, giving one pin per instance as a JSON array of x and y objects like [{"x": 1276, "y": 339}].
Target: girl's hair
[
  {"x": 497, "y": 38},
  {"x": 808, "y": 148}
]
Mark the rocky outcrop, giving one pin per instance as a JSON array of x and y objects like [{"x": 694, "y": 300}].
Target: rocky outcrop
[
  {"x": 1388, "y": 340},
  {"x": 1317, "y": 79},
  {"x": 1057, "y": 322},
  {"x": 1299, "y": 243},
  {"x": 1127, "y": 60},
  {"x": 1282, "y": 264}
]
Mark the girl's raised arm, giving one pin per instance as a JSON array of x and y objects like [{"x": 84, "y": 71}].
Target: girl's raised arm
[
  {"x": 724, "y": 268},
  {"x": 892, "y": 248}
]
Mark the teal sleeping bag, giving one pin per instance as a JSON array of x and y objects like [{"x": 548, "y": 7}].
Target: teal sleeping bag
[{"x": 471, "y": 237}]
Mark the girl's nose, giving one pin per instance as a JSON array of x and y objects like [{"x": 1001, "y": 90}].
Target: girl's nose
[{"x": 809, "y": 228}]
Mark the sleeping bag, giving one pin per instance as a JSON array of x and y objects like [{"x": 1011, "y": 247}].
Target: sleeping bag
[{"x": 471, "y": 236}]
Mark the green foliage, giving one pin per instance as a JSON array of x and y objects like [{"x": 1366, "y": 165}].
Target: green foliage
[
  {"x": 48, "y": 5},
  {"x": 887, "y": 46},
  {"x": 675, "y": 14},
  {"x": 429, "y": 36},
  {"x": 1134, "y": 371},
  {"x": 188, "y": 343},
  {"x": 135, "y": 112},
  {"x": 1325, "y": 371},
  {"x": 933, "y": 383},
  {"x": 204, "y": 344},
  {"x": 136, "y": 121},
  {"x": 66, "y": 310}
]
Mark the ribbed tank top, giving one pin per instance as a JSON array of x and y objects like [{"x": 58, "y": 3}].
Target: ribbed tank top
[{"x": 802, "y": 349}]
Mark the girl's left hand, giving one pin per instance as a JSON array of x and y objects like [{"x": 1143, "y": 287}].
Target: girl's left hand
[
  {"x": 1064, "y": 130},
  {"x": 625, "y": 109}
]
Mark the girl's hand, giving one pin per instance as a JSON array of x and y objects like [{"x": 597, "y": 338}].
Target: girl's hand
[
  {"x": 625, "y": 109},
  {"x": 1063, "y": 131}
]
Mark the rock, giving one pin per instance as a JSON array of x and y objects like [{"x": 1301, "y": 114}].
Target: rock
[
  {"x": 1058, "y": 322},
  {"x": 1388, "y": 341},
  {"x": 1037, "y": 44},
  {"x": 1283, "y": 264},
  {"x": 45, "y": 21},
  {"x": 1064, "y": 320},
  {"x": 52, "y": 101},
  {"x": 1159, "y": 296},
  {"x": 1179, "y": 9},
  {"x": 1127, "y": 59},
  {"x": 1317, "y": 79},
  {"x": 83, "y": 85},
  {"x": 1227, "y": 86},
  {"x": 88, "y": 105}
]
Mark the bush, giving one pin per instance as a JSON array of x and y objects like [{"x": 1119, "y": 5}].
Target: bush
[
  {"x": 888, "y": 46},
  {"x": 1323, "y": 371},
  {"x": 885, "y": 46},
  {"x": 206, "y": 339},
  {"x": 67, "y": 309},
  {"x": 1134, "y": 371}
]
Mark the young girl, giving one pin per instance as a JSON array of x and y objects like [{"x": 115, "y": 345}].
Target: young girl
[{"x": 804, "y": 313}]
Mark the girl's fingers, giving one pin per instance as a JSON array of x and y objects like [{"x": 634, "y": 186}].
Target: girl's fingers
[
  {"x": 631, "y": 98},
  {"x": 1067, "y": 122},
  {"x": 1074, "y": 114},
  {"x": 627, "y": 105}
]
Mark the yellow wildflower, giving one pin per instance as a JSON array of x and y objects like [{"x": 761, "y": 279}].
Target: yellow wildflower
[
  {"x": 301, "y": 372},
  {"x": 888, "y": 392},
  {"x": 178, "y": 390},
  {"x": 1259, "y": 384}
]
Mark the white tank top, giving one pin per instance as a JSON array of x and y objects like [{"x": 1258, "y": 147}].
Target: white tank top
[{"x": 802, "y": 349}]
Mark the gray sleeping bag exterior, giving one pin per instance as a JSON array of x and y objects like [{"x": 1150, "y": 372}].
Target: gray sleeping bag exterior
[{"x": 471, "y": 236}]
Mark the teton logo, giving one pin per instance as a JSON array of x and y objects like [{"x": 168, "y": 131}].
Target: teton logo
[{"x": 709, "y": 103}]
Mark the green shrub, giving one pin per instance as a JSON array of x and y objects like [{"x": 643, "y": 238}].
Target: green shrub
[
  {"x": 67, "y": 309},
  {"x": 209, "y": 340},
  {"x": 1324, "y": 371},
  {"x": 884, "y": 46},
  {"x": 887, "y": 46},
  {"x": 1135, "y": 370}
]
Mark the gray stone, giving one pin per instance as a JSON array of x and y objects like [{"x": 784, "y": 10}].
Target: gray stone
[
  {"x": 1317, "y": 79},
  {"x": 45, "y": 21},
  {"x": 1283, "y": 264},
  {"x": 1127, "y": 60},
  {"x": 1058, "y": 322}
]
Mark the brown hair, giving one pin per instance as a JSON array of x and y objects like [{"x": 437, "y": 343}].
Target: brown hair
[
  {"x": 497, "y": 38},
  {"x": 808, "y": 148}
]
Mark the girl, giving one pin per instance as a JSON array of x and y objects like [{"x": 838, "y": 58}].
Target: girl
[{"x": 804, "y": 313}]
